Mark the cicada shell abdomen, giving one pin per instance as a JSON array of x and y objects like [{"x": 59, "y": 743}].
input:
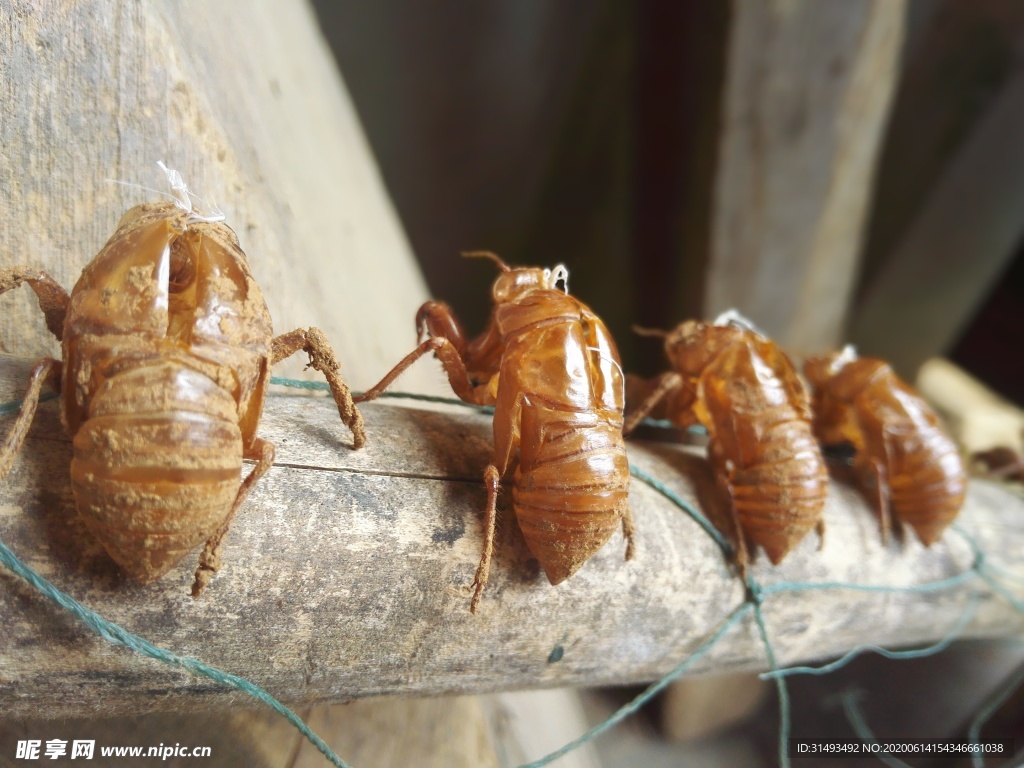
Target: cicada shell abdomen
[
  {"x": 153, "y": 475},
  {"x": 762, "y": 445},
  {"x": 927, "y": 484},
  {"x": 570, "y": 488},
  {"x": 570, "y": 491},
  {"x": 861, "y": 401},
  {"x": 166, "y": 347}
]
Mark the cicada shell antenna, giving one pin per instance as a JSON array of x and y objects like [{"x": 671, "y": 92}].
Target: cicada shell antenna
[
  {"x": 487, "y": 255},
  {"x": 653, "y": 332}
]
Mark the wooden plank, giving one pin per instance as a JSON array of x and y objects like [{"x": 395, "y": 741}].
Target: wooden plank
[
  {"x": 347, "y": 575},
  {"x": 955, "y": 249},
  {"x": 808, "y": 88},
  {"x": 958, "y": 57},
  {"x": 410, "y": 732},
  {"x": 247, "y": 104}
]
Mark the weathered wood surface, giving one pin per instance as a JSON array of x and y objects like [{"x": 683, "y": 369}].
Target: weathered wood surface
[
  {"x": 808, "y": 88},
  {"x": 463, "y": 732},
  {"x": 246, "y": 102},
  {"x": 966, "y": 232},
  {"x": 346, "y": 575}
]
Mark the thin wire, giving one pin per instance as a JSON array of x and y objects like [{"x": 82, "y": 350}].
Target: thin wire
[
  {"x": 322, "y": 386},
  {"x": 1002, "y": 591},
  {"x": 117, "y": 635},
  {"x": 1004, "y": 572}
]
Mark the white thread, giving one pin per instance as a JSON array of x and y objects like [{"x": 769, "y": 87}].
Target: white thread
[
  {"x": 180, "y": 194},
  {"x": 736, "y": 320},
  {"x": 183, "y": 197},
  {"x": 139, "y": 186}
]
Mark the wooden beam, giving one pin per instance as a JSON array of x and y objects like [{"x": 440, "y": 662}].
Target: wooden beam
[
  {"x": 954, "y": 250},
  {"x": 958, "y": 56},
  {"x": 347, "y": 575},
  {"x": 247, "y": 104},
  {"x": 808, "y": 88}
]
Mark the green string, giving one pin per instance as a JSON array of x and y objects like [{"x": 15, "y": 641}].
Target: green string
[
  {"x": 756, "y": 595},
  {"x": 915, "y": 653},
  {"x": 930, "y": 586},
  {"x": 780, "y": 682},
  {"x": 323, "y": 386},
  {"x": 989, "y": 709},
  {"x": 672, "y": 496},
  {"x": 15, "y": 405},
  {"x": 861, "y": 728},
  {"x": 625, "y": 711},
  {"x": 113, "y": 633}
]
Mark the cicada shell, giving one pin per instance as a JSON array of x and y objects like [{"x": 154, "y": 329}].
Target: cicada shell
[
  {"x": 551, "y": 370},
  {"x": 905, "y": 462},
  {"x": 167, "y": 347},
  {"x": 742, "y": 388}
]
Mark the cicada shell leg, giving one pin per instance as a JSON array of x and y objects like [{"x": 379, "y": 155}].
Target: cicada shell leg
[
  {"x": 453, "y": 366},
  {"x": 724, "y": 472},
  {"x": 321, "y": 357},
  {"x": 628, "y": 532},
  {"x": 209, "y": 561},
  {"x": 880, "y": 498},
  {"x": 666, "y": 384},
  {"x": 492, "y": 479},
  {"x": 45, "y": 370},
  {"x": 506, "y": 414},
  {"x": 53, "y": 299}
]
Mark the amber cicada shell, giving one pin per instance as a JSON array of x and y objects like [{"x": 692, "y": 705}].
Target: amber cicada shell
[
  {"x": 551, "y": 370},
  {"x": 167, "y": 348},
  {"x": 166, "y": 359},
  {"x": 904, "y": 461},
  {"x": 745, "y": 392}
]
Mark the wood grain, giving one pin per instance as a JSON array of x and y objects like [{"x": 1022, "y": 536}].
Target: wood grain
[
  {"x": 347, "y": 575},
  {"x": 962, "y": 239},
  {"x": 248, "y": 105},
  {"x": 808, "y": 88}
]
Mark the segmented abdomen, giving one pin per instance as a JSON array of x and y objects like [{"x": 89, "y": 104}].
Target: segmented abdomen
[
  {"x": 927, "y": 484},
  {"x": 157, "y": 465},
  {"x": 779, "y": 494},
  {"x": 571, "y": 496}
]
